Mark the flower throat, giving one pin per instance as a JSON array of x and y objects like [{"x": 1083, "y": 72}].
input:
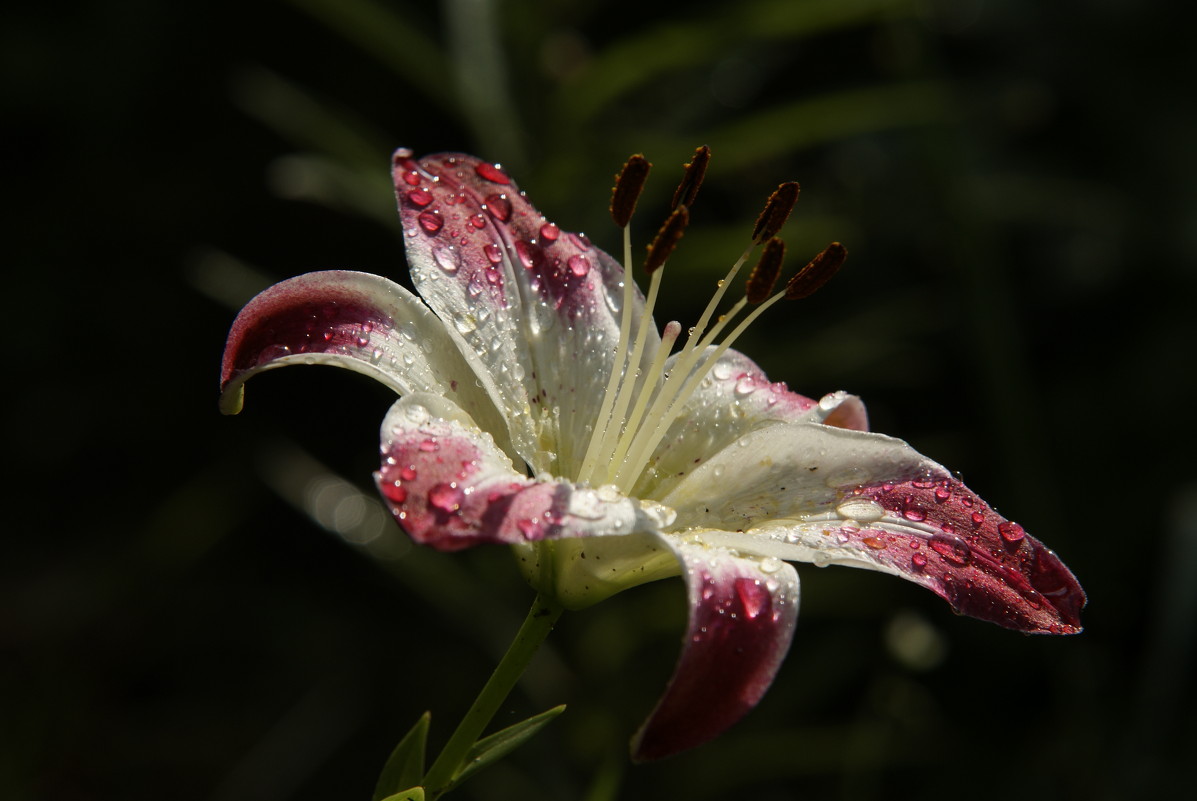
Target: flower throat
[{"x": 625, "y": 435}]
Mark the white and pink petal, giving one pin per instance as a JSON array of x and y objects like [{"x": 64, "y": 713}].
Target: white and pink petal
[
  {"x": 787, "y": 471},
  {"x": 534, "y": 308},
  {"x": 357, "y": 321},
  {"x": 450, "y": 486},
  {"x": 741, "y": 623},
  {"x": 934, "y": 531},
  {"x": 735, "y": 398}
]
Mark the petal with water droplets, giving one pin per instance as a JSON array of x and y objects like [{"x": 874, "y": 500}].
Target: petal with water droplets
[
  {"x": 735, "y": 398},
  {"x": 534, "y": 308},
  {"x": 787, "y": 471},
  {"x": 742, "y": 615},
  {"x": 832, "y": 496},
  {"x": 451, "y": 487},
  {"x": 357, "y": 321}
]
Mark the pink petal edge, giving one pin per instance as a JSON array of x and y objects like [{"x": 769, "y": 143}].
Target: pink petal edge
[
  {"x": 741, "y": 625},
  {"x": 450, "y": 487},
  {"x": 937, "y": 532}
]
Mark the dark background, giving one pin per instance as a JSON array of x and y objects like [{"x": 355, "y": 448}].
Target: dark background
[{"x": 179, "y": 617}]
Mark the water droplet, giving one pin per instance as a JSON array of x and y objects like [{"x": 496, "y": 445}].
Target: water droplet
[
  {"x": 446, "y": 259},
  {"x": 977, "y": 519},
  {"x": 746, "y": 385},
  {"x": 549, "y": 232},
  {"x": 722, "y": 371},
  {"x": 770, "y": 564},
  {"x": 861, "y": 509},
  {"x": 493, "y": 253},
  {"x": 431, "y": 221},
  {"x": 499, "y": 207},
  {"x": 942, "y": 494},
  {"x": 1011, "y": 532},
  {"x": 912, "y": 511},
  {"x": 428, "y": 445},
  {"x": 393, "y": 492},
  {"x": 493, "y": 173},
  {"x": 411, "y": 178},
  {"x": 478, "y": 221},
  {"x": 526, "y": 253},
  {"x": 416, "y": 414},
  {"x": 919, "y": 561},
  {"x": 951, "y": 550},
  {"x": 579, "y": 265},
  {"x": 465, "y": 324},
  {"x": 446, "y": 497},
  {"x": 754, "y": 597},
  {"x": 408, "y": 473},
  {"x": 586, "y": 504},
  {"x": 419, "y": 197},
  {"x": 876, "y": 543}
]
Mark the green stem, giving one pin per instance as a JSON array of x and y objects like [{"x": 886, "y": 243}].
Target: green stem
[{"x": 537, "y": 625}]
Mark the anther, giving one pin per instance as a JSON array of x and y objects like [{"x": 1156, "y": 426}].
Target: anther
[
  {"x": 776, "y": 212},
  {"x": 696, "y": 170},
  {"x": 817, "y": 273},
  {"x": 628, "y": 186},
  {"x": 764, "y": 274},
  {"x": 667, "y": 239}
]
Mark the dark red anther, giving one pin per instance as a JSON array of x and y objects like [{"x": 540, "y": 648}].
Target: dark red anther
[
  {"x": 667, "y": 239},
  {"x": 818, "y": 272},
  {"x": 628, "y": 186},
  {"x": 776, "y": 212},
  {"x": 764, "y": 274},
  {"x": 696, "y": 170}
]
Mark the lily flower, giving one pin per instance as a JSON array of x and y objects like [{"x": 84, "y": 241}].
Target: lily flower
[{"x": 540, "y": 407}]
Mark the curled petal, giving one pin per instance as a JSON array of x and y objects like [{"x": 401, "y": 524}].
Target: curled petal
[
  {"x": 734, "y": 399},
  {"x": 742, "y": 615},
  {"x": 356, "y": 321},
  {"x": 535, "y": 309},
  {"x": 451, "y": 487}
]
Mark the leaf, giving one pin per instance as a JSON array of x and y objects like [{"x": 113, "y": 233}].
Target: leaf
[
  {"x": 414, "y": 794},
  {"x": 405, "y": 765},
  {"x": 498, "y": 745}
]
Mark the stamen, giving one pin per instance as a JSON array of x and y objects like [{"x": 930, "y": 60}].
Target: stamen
[
  {"x": 628, "y": 186},
  {"x": 616, "y": 427},
  {"x": 631, "y": 468},
  {"x": 618, "y": 365},
  {"x": 776, "y": 212},
  {"x": 817, "y": 272},
  {"x": 764, "y": 275},
  {"x": 667, "y": 239},
  {"x": 696, "y": 170}
]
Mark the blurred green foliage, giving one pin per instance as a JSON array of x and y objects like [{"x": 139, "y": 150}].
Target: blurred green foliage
[{"x": 1015, "y": 181}]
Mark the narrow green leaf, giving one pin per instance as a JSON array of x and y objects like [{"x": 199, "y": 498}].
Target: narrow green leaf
[
  {"x": 498, "y": 745},
  {"x": 414, "y": 794},
  {"x": 405, "y": 766}
]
